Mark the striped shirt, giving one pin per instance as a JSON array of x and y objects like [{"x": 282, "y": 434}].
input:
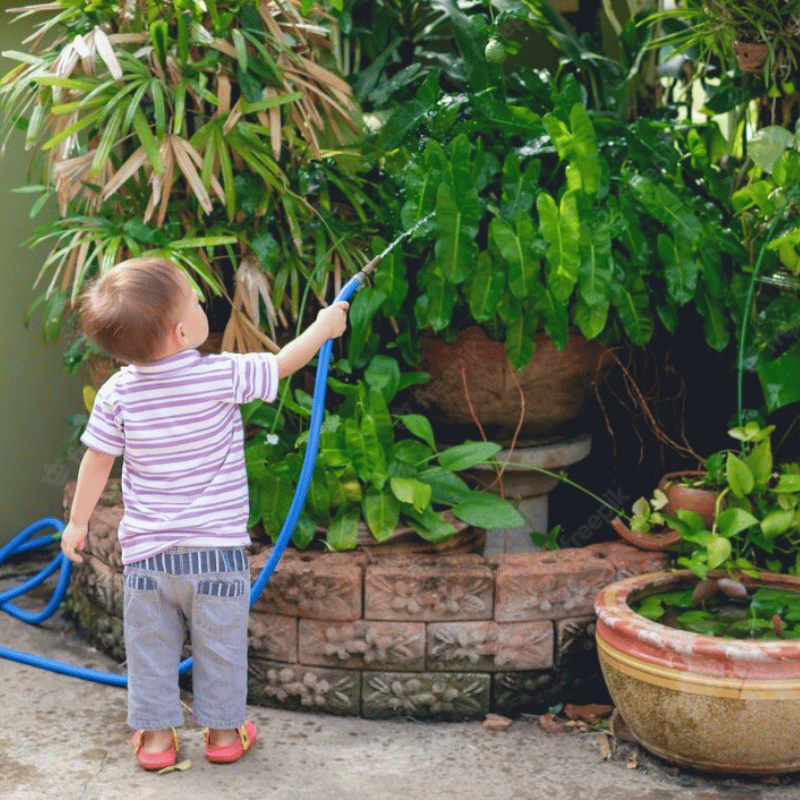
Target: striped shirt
[{"x": 177, "y": 425}]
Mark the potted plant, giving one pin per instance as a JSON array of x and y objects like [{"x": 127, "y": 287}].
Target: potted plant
[
  {"x": 379, "y": 474},
  {"x": 196, "y": 132},
  {"x": 549, "y": 234},
  {"x": 761, "y": 35},
  {"x": 673, "y": 685}
]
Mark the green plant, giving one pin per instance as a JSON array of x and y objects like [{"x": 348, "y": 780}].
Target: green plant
[
  {"x": 756, "y": 524},
  {"x": 710, "y": 27},
  {"x": 210, "y": 134},
  {"x": 373, "y": 465},
  {"x": 729, "y": 610}
]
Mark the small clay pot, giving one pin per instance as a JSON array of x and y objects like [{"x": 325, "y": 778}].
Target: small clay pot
[
  {"x": 701, "y": 501},
  {"x": 750, "y": 55}
]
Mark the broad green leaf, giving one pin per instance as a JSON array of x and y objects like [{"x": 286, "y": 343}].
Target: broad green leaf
[
  {"x": 383, "y": 375},
  {"x": 420, "y": 426},
  {"x": 596, "y": 269},
  {"x": 391, "y": 280},
  {"x": 517, "y": 246},
  {"x": 591, "y": 319},
  {"x": 305, "y": 531},
  {"x": 768, "y": 144},
  {"x": 780, "y": 379},
  {"x": 740, "y": 478},
  {"x": 632, "y": 302},
  {"x": 412, "y": 452},
  {"x": 363, "y": 308},
  {"x": 422, "y": 179},
  {"x": 665, "y": 206},
  {"x": 519, "y": 187},
  {"x": 464, "y": 456},
  {"x": 715, "y": 325},
  {"x": 520, "y": 341},
  {"x": 275, "y": 498},
  {"x": 759, "y": 462},
  {"x": 719, "y": 551},
  {"x": 361, "y": 456},
  {"x": 381, "y": 512},
  {"x": 457, "y": 223},
  {"x": 561, "y": 228},
  {"x": 680, "y": 271},
  {"x": 343, "y": 530},
  {"x": 318, "y": 497},
  {"x": 554, "y": 318},
  {"x": 438, "y": 301},
  {"x": 447, "y": 488},
  {"x": 429, "y": 524},
  {"x": 378, "y": 411},
  {"x": 777, "y": 522},
  {"x": 787, "y": 483},
  {"x": 412, "y": 492},
  {"x": 735, "y": 520},
  {"x": 488, "y": 511},
  {"x": 485, "y": 287}
]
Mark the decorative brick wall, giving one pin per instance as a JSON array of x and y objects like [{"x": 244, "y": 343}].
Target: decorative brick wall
[{"x": 429, "y": 637}]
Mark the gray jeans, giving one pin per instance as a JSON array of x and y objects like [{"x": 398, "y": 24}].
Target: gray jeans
[{"x": 208, "y": 592}]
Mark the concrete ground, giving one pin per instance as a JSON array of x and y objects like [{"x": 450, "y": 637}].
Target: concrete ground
[{"x": 66, "y": 738}]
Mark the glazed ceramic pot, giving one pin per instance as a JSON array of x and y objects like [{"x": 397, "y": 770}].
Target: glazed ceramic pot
[{"x": 708, "y": 703}]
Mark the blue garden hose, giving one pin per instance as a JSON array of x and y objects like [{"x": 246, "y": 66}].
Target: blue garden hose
[{"x": 21, "y": 543}]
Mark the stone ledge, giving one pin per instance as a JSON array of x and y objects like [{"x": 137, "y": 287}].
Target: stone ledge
[{"x": 431, "y": 637}]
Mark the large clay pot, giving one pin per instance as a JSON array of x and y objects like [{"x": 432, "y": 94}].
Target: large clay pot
[
  {"x": 703, "y": 702},
  {"x": 557, "y": 386}
]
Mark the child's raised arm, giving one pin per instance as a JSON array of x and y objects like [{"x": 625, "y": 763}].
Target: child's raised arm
[{"x": 331, "y": 322}]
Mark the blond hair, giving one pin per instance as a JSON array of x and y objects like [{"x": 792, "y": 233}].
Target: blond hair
[{"x": 129, "y": 311}]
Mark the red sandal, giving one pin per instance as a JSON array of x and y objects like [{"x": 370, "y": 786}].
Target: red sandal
[
  {"x": 167, "y": 758},
  {"x": 227, "y": 754}
]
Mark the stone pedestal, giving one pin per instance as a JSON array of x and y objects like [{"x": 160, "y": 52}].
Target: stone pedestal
[{"x": 528, "y": 489}]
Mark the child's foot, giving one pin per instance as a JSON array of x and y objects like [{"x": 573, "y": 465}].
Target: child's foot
[
  {"x": 226, "y": 746},
  {"x": 156, "y": 749}
]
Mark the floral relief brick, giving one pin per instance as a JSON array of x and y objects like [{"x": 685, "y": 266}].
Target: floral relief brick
[
  {"x": 575, "y": 638},
  {"x": 429, "y": 588},
  {"x": 489, "y": 646},
  {"x": 442, "y": 696},
  {"x": 549, "y": 585},
  {"x": 296, "y": 687},
  {"x": 628, "y": 560},
  {"x": 518, "y": 692},
  {"x": 363, "y": 644},
  {"x": 313, "y": 586},
  {"x": 273, "y": 636},
  {"x": 100, "y": 583}
]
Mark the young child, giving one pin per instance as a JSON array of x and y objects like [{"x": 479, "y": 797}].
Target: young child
[{"x": 173, "y": 416}]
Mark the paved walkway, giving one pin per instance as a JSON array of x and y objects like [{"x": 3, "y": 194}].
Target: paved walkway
[{"x": 66, "y": 738}]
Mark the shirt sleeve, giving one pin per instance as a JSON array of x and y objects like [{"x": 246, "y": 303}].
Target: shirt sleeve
[
  {"x": 104, "y": 430},
  {"x": 255, "y": 376}
]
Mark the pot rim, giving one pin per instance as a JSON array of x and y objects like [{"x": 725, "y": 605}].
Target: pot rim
[{"x": 659, "y": 643}]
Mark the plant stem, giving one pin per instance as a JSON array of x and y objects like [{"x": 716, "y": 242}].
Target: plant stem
[{"x": 562, "y": 476}]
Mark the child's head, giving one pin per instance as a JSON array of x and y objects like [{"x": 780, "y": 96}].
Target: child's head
[{"x": 132, "y": 311}]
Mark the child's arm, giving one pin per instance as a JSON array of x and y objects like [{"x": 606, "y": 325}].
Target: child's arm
[
  {"x": 330, "y": 323},
  {"x": 92, "y": 478}
]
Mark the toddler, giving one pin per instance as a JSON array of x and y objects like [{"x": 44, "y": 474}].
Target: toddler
[{"x": 173, "y": 416}]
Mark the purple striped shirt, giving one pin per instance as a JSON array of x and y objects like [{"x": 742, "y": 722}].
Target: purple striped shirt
[{"x": 177, "y": 425}]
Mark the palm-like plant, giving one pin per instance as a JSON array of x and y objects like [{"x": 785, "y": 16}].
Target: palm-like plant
[{"x": 189, "y": 129}]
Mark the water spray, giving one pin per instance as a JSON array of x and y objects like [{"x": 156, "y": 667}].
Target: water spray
[{"x": 24, "y": 541}]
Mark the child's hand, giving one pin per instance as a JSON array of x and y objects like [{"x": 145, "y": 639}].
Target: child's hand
[
  {"x": 334, "y": 319},
  {"x": 72, "y": 539}
]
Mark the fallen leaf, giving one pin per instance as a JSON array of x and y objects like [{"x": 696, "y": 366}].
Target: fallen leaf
[
  {"x": 550, "y": 724},
  {"x": 631, "y": 762},
  {"x": 496, "y": 722},
  {"x": 591, "y": 713},
  {"x": 604, "y": 745},
  {"x": 181, "y": 766}
]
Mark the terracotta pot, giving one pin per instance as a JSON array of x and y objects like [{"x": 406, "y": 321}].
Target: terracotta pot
[
  {"x": 703, "y": 702},
  {"x": 659, "y": 540},
  {"x": 751, "y": 55},
  {"x": 557, "y": 386},
  {"x": 701, "y": 501}
]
